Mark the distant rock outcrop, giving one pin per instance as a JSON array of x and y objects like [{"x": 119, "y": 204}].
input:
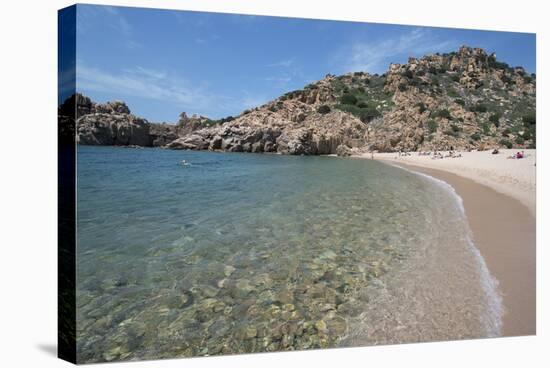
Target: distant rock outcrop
[
  {"x": 113, "y": 129},
  {"x": 162, "y": 134},
  {"x": 106, "y": 124},
  {"x": 112, "y": 123}
]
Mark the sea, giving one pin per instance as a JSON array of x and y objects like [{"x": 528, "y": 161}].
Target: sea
[{"x": 194, "y": 253}]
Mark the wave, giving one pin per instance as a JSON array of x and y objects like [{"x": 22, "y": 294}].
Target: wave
[{"x": 493, "y": 319}]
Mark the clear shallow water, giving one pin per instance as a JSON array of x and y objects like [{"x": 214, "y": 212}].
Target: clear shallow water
[{"x": 238, "y": 253}]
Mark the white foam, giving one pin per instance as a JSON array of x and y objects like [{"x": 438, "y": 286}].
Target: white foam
[{"x": 493, "y": 320}]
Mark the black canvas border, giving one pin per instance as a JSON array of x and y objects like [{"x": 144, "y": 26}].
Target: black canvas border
[{"x": 66, "y": 176}]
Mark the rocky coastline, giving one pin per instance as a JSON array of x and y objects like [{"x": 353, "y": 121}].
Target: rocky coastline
[{"x": 464, "y": 100}]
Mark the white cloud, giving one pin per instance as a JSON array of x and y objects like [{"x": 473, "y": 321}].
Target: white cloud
[
  {"x": 375, "y": 57},
  {"x": 163, "y": 86},
  {"x": 150, "y": 73},
  {"x": 207, "y": 38},
  {"x": 282, "y": 64},
  {"x": 278, "y": 79},
  {"x": 141, "y": 82}
]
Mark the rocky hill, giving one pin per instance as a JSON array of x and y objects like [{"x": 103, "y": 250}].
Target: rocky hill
[{"x": 460, "y": 100}]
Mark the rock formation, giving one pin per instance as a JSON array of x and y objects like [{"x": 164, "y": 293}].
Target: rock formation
[{"x": 460, "y": 100}]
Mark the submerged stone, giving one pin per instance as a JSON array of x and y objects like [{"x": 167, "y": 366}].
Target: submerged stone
[{"x": 321, "y": 326}]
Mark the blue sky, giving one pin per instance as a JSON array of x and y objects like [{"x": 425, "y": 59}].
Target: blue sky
[{"x": 163, "y": 62}]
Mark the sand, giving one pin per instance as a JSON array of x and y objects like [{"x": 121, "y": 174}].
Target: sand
[
  {"x": 499, "y": 200},
  {"x": 515, "y": 178}
]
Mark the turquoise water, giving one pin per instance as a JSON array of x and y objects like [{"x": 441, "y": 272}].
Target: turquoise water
[{"x": 238, "y": 253}]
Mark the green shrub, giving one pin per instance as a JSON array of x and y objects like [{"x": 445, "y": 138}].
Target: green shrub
[
  {"x": 348, "y": 99},
  {"x": 291, "y": 94},
  {"x": 364, "y": 114},
  {"x": 415, "y": 82},
  {"x": 362, "y": 104},
  {"x": 432, "y": 126},
  {"x": 219, "y": 121},
  {"x": 421, "y": 107},
  {"x": 460, "y": 101},
  {"x": 295, "y": 94},
  {"x": 455, "y": 128},
  {"x": 369, "y": 114},
  {"x": 506, "y": 79},
  {"x": 323, "y": 109},
  {"x": 455, "y": 78},
  {"x": 529, "y": 119},
  {"x": 451, "y": 92},
  {"x": 337, "y": 85},
  {"x": 451, "y": 133},
  {"x": 402, "y": 87},
  {"x": 506, "y": 143},
  {"x": 479, "y": 108},
  {"x": 495, "y": 119},
  {"x": 212, "y": 122},
  {"x": 506, "y": 132},
  {"x": 485, "y": 129},
  {"x": 442, "y": 113},
  {"x": 476, "y": 136},
  {"x": 520, "y": 140},
  {"x": 526, "y": 135}
]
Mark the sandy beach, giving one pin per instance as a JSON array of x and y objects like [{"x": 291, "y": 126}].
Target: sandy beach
[
  {"x": 513, "y": 177},
  {"x": 499, "y": 197}
]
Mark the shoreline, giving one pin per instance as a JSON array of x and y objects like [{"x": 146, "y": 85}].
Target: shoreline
[
  {"x": 512, "y": 177},
  {"x": 503, "y": 230}
]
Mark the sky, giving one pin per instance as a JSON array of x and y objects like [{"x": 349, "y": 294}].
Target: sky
[{"x": 164, "y": 62}]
